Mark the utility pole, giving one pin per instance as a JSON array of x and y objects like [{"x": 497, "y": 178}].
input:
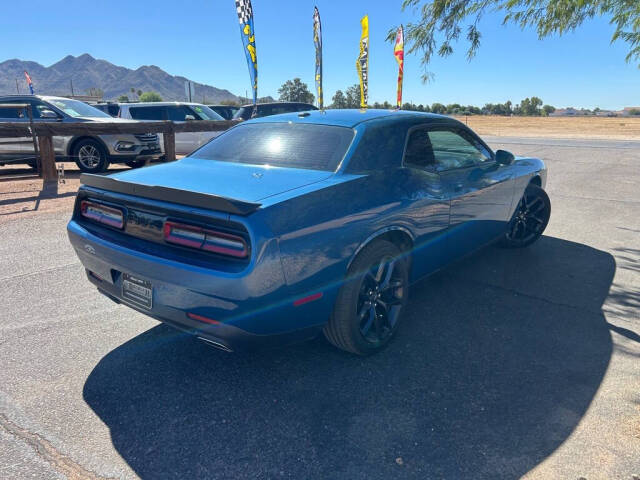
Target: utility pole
[
  {"x": 17, "y": 87},
  {"x": 71, "y": 82}
]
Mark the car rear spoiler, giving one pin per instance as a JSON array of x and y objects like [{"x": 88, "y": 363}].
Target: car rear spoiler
[{"x": 174, "y": 195}]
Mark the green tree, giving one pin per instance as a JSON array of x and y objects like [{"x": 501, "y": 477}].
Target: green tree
[
  {"x": 549, "y": 109},
  {"x": 530, "y": 106},
  {"x": 634, "y": 111},
  {"x": 441, "y": 23},
  {"x": 295, "y": 91},
  {"x": 438, "y": 108},
  {"x": 150, "y": 97},
  {"x": 339, "y": 100},
  {"x": 353, "y": 96},
  {"x": 123, "y": 99}
]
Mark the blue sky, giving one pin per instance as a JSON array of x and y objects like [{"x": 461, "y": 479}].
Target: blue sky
[{"x": 200, "y": 39}]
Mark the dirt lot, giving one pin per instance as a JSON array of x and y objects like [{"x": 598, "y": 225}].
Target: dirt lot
[{"x": 614, "y": 128}]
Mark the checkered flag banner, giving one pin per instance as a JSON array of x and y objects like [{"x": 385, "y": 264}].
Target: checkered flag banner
[
  {"x": 247, "y": 33},
  {"x": 245, "y": 11}
]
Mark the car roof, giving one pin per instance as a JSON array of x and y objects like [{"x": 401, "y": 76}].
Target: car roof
[
  {"x": 250, "y": 105},
  {"x": 40, "y": 97},
  {"x": 348, "y": 118},
  {"x": 159, "y": 104}
]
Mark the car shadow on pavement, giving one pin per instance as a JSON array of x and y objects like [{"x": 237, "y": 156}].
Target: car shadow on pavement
[{"x": 497, "y": 361}]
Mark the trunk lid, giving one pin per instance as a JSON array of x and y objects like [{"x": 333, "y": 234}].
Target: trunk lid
[{"x": 242, "y": 182}]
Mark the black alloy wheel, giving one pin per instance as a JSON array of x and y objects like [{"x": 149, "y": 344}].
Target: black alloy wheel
[
  {"x": 530, "y": 218},
  {"x": 369, "y": 305},
  {"x": 380, "y": 300}
]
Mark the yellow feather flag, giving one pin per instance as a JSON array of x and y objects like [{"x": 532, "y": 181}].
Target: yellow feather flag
[{"x": 362, "y": 64}]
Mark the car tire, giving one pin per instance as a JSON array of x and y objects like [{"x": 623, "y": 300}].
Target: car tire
[
  {"x": 136, "y": 163},
  {"x": 368, "y": 309},
  {"x": 90, "y": 156},
  {"x": 529, "y": 220}
]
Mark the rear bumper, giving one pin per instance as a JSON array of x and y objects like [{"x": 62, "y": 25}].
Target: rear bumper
[{"x": 250, "y": 309}]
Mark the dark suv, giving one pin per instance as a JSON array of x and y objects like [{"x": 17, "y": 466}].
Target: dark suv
[
  {"x": 225, "y": 111},
  {"x": 275, "y": 108},
  {"x": 110, "y": 108}
]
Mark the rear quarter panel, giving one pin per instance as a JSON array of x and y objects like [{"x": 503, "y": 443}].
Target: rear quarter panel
[{"x": 320, "y": 231}]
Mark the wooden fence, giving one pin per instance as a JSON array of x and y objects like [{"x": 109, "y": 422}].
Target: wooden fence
[{"x": 45, "y": 131}]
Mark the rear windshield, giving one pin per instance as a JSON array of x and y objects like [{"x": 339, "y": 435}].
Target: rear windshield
[{"x": 316, "y": 147}]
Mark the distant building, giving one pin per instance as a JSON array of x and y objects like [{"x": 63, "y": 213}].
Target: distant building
[
  {"x": 628, "y": 111},
  {"x": 570, "y": 112}
]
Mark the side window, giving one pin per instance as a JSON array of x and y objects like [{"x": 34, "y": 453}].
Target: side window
[
  {"x": 455, "y": 149},
  {"x": 147, "y": 113},
  {"x": 263, "y": 111},
  {"x": 379, "y": 149},
  {"x": 178, "y": 113},
  {"x": 275, "y": 110},
  {"x": 419, "y": 152},
  {"x": 37, "y": 108},
  {"x": 12, "y": 114}
]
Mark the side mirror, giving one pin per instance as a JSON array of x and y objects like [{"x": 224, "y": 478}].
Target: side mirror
[
  {"x": 189, "y": 118},
  {"x": 504, "y": 158},
  {"x": 49, "y": 114}
]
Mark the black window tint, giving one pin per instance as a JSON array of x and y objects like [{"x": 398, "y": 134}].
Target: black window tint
[
  {"x": 243, "y": 114},
  {"x": 456, "y": 149},
  {"x": 263, "y": 111},
  {"x": 13, "y": 113},
  {"x": 178, "y": 113},
  {"x": 278, "y": 109},
  {"x": 419, "y": 152},
  {"x": 379, "y": 148},
  {"x": 316, "y": 147},
  {"x": 147, "y": 113}
]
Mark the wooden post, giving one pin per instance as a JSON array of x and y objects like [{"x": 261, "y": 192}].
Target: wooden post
[
  {"x": 35, "y": 142},
  {"x": 48, "y": 159},
  {"x": 169, "y": 144}
]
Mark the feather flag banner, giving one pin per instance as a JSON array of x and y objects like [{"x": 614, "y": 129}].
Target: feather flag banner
[
  {"x": 29, "y": 82},
  {"x": 317, "y": 40},
  {"x": 247, "y": 32},
  {"x": 362, "y": 64},
  {"x": 398, "y": 51}
]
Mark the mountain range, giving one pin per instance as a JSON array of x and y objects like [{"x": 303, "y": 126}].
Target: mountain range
[{"x": 88, "y": 73}]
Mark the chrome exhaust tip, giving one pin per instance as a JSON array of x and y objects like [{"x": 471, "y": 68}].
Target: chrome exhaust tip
[{"x": 215, "y": 344}]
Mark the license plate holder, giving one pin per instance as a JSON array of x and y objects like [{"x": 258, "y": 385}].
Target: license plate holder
[{"x": 137, "y": 291}]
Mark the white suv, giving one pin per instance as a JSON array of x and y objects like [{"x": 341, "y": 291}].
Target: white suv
[{"x": 176, "y": 112}]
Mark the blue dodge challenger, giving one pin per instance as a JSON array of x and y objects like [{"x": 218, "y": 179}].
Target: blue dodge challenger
[{"x": 289, "y": 225}]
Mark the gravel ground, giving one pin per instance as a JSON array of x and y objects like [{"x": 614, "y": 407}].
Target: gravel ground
[{"x": 509, "y": 363}]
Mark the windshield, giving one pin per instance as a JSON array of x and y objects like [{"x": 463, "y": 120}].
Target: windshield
[
  {"x": 206, "y": 113},
  {"x": 75, "y": 108},
  {"x": 317, "y": 147}
]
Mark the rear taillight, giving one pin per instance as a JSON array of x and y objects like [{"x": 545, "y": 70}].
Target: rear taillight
[
  {"x": 205, "y": 239},
  {"x": 97, "y": 212}
]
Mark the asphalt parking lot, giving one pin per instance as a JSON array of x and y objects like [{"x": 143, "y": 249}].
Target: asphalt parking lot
[{"x": 509, "y": 363}]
